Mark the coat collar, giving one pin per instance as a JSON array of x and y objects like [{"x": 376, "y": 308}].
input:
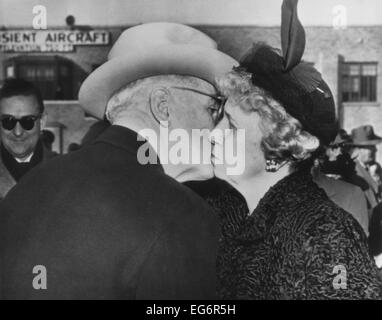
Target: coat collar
[
  {"x": 128, "y": 140},
  {"x": 362, "y": 172},
  {"x": 288, "y": 194},
  {"x": 6, "y": 180}
]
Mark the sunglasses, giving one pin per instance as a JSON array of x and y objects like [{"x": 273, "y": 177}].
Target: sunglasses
[
  {"x": 218, "y": 112},
  {"x": 27, "y": 122}
]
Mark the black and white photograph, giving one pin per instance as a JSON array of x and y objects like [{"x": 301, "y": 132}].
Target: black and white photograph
[{"x": 172, "y": 150}]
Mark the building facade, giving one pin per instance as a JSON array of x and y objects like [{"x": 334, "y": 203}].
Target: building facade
[{"x": 350, "y": 60}]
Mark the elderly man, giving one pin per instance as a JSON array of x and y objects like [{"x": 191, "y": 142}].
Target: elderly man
[
  {"x": 21, "y": 115},
  {"x": 364, "y": 147},
  {"x": 104, "y": 223}
]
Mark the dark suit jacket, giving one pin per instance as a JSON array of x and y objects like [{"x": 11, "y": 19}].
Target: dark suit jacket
[
  {"x": 107, "y": 227},
  {"x": 7, "y": 182}
]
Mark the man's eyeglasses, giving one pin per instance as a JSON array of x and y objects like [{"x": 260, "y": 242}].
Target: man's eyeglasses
[
  {"x": 218, "y": 112},
  {"x": 27, "y": 122}
]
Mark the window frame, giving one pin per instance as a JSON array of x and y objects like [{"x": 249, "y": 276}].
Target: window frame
[{"x": 371, "y": 83}]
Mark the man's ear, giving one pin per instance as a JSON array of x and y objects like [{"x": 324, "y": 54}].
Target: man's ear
[
  {"x": 159, "y": 104},
  {"x": 43, "y": 120}
]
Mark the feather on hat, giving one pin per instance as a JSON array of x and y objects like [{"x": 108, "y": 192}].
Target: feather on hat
[{"x": 296, "y": 84}]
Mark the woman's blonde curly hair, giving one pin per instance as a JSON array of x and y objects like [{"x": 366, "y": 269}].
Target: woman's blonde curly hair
[{"x": 284, "y": 138}]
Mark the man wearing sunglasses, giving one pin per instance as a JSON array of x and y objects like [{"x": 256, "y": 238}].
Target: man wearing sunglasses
[
  {"x": 104, "y": 224},
  {"x": 21, "y": 118}
]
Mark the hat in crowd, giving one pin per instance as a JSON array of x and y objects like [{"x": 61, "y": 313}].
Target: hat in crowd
[
  {"x": 342, "y": 138},
  {"x": 149, "y": 50},
  {"x": 297, "y": 85},
  {"x": 365, "y": 136}
]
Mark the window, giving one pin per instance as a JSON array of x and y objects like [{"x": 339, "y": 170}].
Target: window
[
  {"x": 42, "y": 75},
  {"x": 56, "y": 77},
  {"x": 359, "y": 81}
]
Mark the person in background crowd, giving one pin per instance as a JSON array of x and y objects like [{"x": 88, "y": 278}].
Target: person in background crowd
[
  {"x": 47, "y": 138},
  {"x": 363, "y": 150},
  {"x": 22, "y": 117},
  {"x": 375, "y": 170},
  {"x": 293, "y": 238},
  {"x": 334, "y": 170},
  {"x": 337, "y": 162},
  {"x": 106, "y": 223},
  {"x": 375, "y": 238}
]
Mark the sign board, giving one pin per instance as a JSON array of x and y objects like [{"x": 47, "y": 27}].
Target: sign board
[{"x": 50, "y": 40}]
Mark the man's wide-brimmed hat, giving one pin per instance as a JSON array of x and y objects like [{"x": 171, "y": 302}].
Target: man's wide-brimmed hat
[
  {"x": 365, "y": 136},
  {"x": 295, "y": 84},
  {"x": 153, "y": 49}
]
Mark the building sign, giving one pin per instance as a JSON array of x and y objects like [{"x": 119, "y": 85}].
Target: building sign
[{"x": 51, "y": 41}]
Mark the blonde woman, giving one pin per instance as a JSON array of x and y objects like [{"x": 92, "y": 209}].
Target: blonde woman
[{"x": 289, "y": 241}]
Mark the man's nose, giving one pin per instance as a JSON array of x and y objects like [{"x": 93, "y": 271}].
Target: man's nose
[{"x": 18, "y": 130}]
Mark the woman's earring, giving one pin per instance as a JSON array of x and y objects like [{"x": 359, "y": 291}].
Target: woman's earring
[{"x": 272, "y": 165}]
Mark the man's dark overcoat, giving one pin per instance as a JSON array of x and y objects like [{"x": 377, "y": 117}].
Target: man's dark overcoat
[{"x": 106, "y": 227}]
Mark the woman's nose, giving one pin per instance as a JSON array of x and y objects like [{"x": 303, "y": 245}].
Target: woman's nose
[
  {"x": 223, "y": 123},
  {"x": 217, "y": 135}
]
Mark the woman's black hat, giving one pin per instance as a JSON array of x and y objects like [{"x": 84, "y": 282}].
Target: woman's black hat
[{"x": 296, "y": 84}]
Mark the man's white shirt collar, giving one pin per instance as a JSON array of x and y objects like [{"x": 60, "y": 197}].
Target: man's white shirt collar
[{"x": 26, "y": 160}]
